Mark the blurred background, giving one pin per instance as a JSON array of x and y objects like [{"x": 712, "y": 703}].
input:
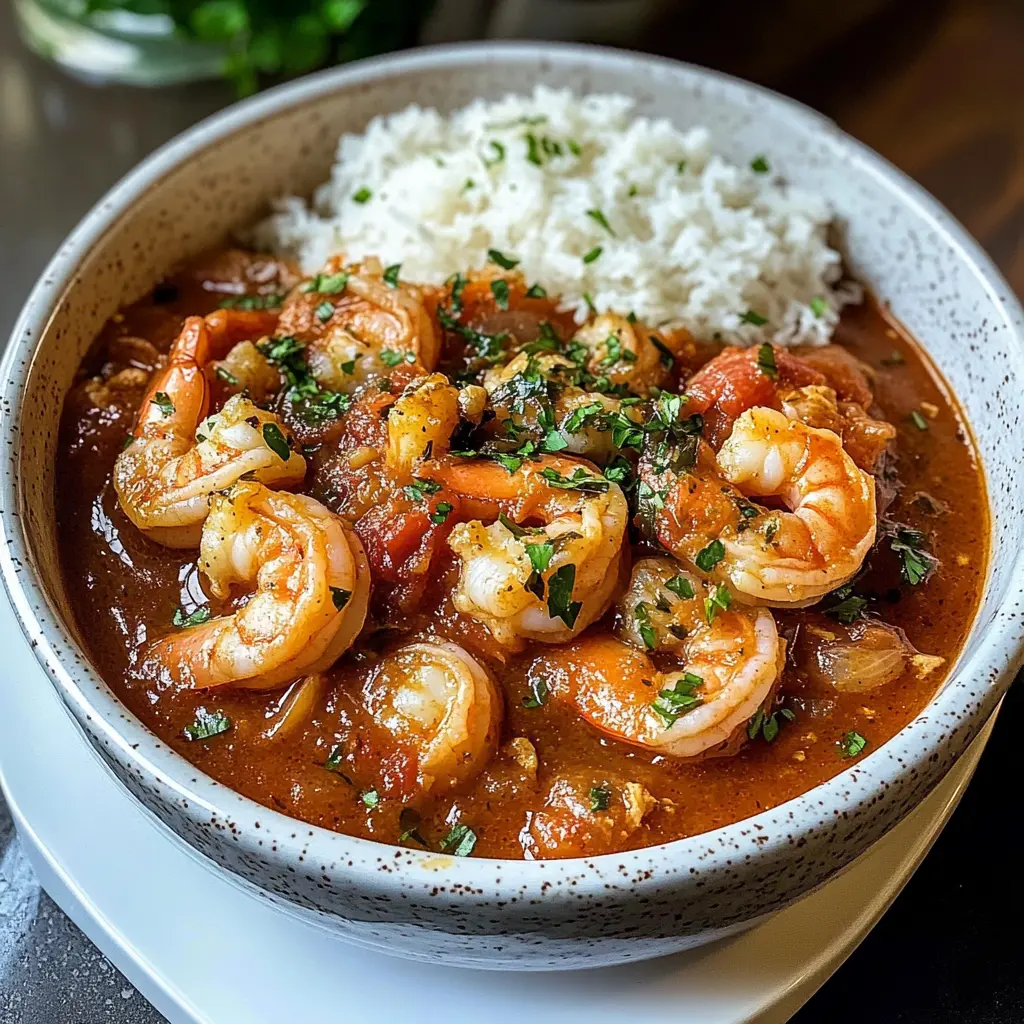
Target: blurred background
[{"x": 90, "y": 87}]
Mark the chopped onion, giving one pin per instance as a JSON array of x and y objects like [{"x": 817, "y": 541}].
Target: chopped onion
[{"x": 860, "y": 657}]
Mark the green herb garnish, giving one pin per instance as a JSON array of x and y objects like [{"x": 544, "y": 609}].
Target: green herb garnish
[
  {"x": 163, "y": 402},
  {"x": 340, "y": 597},
  {"x": 195, "y": 618},
  {"x": 324, "y": 311},
  {"x": 918, "y": 420},
  {"x": 276, "y": 441},
  {"x": 680, "y": 585},
  {"x": 326, "y": 284},
  {"x": 760, "y": 165},
  {"x": 768, "y": 725},
  {"x": 599, "y": 798},
  {"x": 818, "y": 306},
  {"x": 601, "y": 219},
  {"x": 539, "y": 691},
  {"x": 441, "y": 511},
  {"x": 766, "y": 361},
  {"x": 391, "y": 274},
  {"x": 750, "y": 317},
  {"x": 707, "y": 558},
  {"x": 560, "y": 602},
  {"x": 852, "y": 744},
  {"x": 499, "y": 289},
  {"x": 207, "y": 724},
  {"x": 459, "y": 842},
  {"x": 718, "y": 600},
  {"x": 370, "y": 798},
  {"x": 644, "y": 626},
  {"x": 672, "y": 704},
  {"x": 503, "y": 261},
  {"x": 589, "y": 257},
  {"x": 363, "y": 195}
]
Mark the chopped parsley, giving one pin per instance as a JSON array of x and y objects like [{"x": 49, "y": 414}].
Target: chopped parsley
[
  {"x": 672, "y": 704},
  {"x": 503, "y": 261},
  {"x": 441, "y": 511},
  {"x": 580, "y": 480},
  {"x": 852, "y": 744},
  {"x": 751, "y": 317},
  {"x": 599, "y": 798},
  {"x": 391, "y": 274},
  {"x": 420, "y": 487},
  {"x": 600, "y": 218},
  {"x": 227, "y": 376},
  {"x": 196, "y": 618},
  {"x": 818, "y": 306},
  {"x": 592, "y": 255},
  {"x": 326, "y": 284},
  {"x": 917, "y": 563},
  {"x": 459, "y": 842},
  {"x": 536, "y": 291},
  {"x": 918, "y": 420},
  {"x": 361, "y": 196},
  {"x": 768, "y": 725},
  {"x": 324, "y": 311},
  {"x": 389, "y": 357},
  {"x": 276, "y": 441},
  {"x": 847, "y": 606},
  {"x": 540, "y": 553},
  {"x": 766, "y": 361},
  {"x": 707, "y": 558},
  {"x": 334, "y": 761},
  {"x": 498, "y": 151},
  {"x": 370, "y": 798},
  {"x": 665, "y": 355},
  {"x": 409, "y": 823},
  {"x": 560, "y": 602},
  {"x": 207, "y": 724},
  {"x": 718, "y": 600},
  {"x": 644, "y": 626},
  {"x": 340, "y": 597},
  {"x": 163, "y": 402},
  {"x": 759, "y": 164},
  {"x": 499, "y": 289},
  {"x": 538, "y": 695},
  {"x": 680, "y": 585}
]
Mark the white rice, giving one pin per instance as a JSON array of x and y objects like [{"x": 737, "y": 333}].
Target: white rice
[{"x": 693, "y": 240}]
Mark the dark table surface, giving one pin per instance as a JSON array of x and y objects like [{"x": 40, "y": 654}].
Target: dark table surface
[{"x": 937, "y": 88}]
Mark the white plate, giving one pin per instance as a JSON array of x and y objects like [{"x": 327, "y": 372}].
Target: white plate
[{"x": 202, "y": 950}]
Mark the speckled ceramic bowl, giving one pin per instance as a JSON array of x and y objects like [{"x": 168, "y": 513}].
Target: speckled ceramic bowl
[{"x": 474, "y": 911}]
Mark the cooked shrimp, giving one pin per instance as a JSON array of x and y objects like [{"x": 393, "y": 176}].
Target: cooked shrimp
[
  {"x": 175, "y": 462},
  {"x": 534, "y": 397},
  {"x": 545, "y": 583},
  {"x": 356, "y": 325},
  {"x": 420, "y": 423},
  {"x": 626, "y": 352},
  {"x": 657, "y": 610},
  {"x": 729, "y": 670},
  {"x": 441, "y": 714},
  {"x": 247, "y": 369},
  {"x": 784, "y": 558},
  {"x": 312, "y": 587}
]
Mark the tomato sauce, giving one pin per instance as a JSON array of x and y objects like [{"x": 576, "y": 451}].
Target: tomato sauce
[{"x": 124, "y": 591}]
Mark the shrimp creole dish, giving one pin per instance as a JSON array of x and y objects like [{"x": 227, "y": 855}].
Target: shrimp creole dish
[{"x": 542, "y": 487}]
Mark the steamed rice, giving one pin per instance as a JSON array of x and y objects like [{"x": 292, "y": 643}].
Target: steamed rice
[{"x": 604, "y": 209}]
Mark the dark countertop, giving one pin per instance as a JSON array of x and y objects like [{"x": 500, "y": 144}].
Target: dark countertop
[{"x": 933, "y": 86}]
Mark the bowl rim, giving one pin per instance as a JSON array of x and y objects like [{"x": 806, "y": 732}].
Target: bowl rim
[{"x": 903, "y": 755}]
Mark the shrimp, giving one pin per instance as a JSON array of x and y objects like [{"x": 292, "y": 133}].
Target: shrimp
[
  {"x": 247, "y": 369},
  {"x": 312, "y": 587},
  {"x": 420, "y": 423},
  {"x": 627, "y": 353},
  {"x": 787, "y": 558},
  {"x": 544, "y": 583},
  {"x": 656, "y": 610},
  {"x": 534, "y": 396},
  {"x": 355, "y": 325},
  {"x": 730, "y": 668},
  {"x": 436, "y": 718},
  {"x": 165, "y": 477}
]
